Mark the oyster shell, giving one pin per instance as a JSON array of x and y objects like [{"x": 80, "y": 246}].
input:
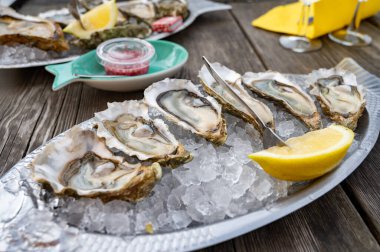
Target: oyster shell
[
  {"x": 145, "y": 10},
  {"x": 181, "y": 102},
  {"x": 32, "y": 31},
  {"x": 127, "y": 127},
  {"x": 341, "y": 102},
  {"x": 81, "y": 164},
  {"x": 128, "y": 28},
  {"x": 229, "y": 102},
  {"x": 172, "y": 8},
  {"x": 275, "y": 86}
]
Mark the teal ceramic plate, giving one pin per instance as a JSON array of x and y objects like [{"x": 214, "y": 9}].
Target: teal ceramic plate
[{"x": 169, "y": 59}]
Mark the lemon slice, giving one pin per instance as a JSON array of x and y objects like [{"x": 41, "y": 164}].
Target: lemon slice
[
  {"x": 100, "y": 18},
  {"x": 309, "y": 156}
]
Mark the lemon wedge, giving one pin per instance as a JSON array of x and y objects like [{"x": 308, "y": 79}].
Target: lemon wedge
[
  {"x": 99, "y": 18},
  {"x": 308, "y": 156}
]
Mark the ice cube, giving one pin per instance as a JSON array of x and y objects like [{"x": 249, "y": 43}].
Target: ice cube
[
  {"x": 246, "y": 179},
  {"x": 186, "y": 177},
  {"x": 173, "y": 202},
  {"x": 192, "y": 194},
  {"x": 241, "y": 149},
  {"x": 219, "y": 193},
  {"x": 232, "y": 169},
  {"x": 180, "y": 219},
  {"x": 117, "y": 223},
  {"x": 263, "y": 188},
  {"x": 285, "y": 128}
]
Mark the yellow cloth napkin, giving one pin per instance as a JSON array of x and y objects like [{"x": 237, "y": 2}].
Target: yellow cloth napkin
[{"x": 329, "y": 15}]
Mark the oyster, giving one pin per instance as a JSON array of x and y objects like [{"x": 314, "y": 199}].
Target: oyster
[
  {"x": 130, "y": 27},
  {"x": 145, "y": 10},
  {"x": 32, "y": 31},
  {"x": 341, "y": 102},
  {"x": 127, "y": 127},
  {"x": 181, "y": 102},
  {"x": 153, "y": 10},
  {"x": 81, "y": 164},
  {"x": 172, "y": 8},
  {"x": 274, "y": 86},
  {"x": 229, "y": 102}
]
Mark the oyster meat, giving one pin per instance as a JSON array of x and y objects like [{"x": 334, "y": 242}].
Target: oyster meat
[
  {"x": 150, "y": 11},
  {"x": 229, "y": 102},
  {"x": 167, "y": 8},
  {"x": 81, "y": 164},
  {"x": 145, "y": 10},
  {"x": 341, "y": 102},
  {"x": 127, "y": 127},
  {"x": 181, "y": 102},
  {"x": 276, "y": 87},
  {"x": 31, "y": 31}
]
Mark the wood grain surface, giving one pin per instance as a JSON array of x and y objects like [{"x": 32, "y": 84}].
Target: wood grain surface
[{"x": 345, "y": 219}]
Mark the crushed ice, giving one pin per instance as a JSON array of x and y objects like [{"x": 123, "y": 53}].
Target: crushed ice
[
  {"x": 22, "y": 54},
  {"x": 220, "y": 182}
]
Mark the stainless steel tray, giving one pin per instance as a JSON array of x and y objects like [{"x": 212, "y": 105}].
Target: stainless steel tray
[
  {"x": 14, "y": 207},
  {"x": 196, "y": 8}
]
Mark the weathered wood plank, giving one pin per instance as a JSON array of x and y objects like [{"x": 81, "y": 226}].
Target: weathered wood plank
[
  {"x": 362, "y": 186},
  {"x": 17, "y": 124},
  {"x": 328, "y": 224},
  {"x": 363, "y": 189}
]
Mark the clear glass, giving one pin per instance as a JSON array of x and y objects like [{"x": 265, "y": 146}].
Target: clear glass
[
  {"x": 351, "y": 36},
  {"x": 125, "y": 56},
  {"x": 302, "y": 44}
]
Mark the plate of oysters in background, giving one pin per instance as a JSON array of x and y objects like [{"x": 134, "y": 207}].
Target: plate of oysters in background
[
  {"x": 171, "y": 172},
  {"x": 58, "y": 36}
]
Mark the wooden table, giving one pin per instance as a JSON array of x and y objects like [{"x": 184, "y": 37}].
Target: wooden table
[{"x": 345, "y": 219}]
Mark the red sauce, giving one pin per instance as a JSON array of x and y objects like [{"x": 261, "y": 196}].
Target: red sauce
[
  {"x": 126, "y": 70},
  {"x": 125, "y": 56}
]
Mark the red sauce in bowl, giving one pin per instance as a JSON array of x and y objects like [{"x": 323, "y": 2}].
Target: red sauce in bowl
[{"x": 125, "y": 56}]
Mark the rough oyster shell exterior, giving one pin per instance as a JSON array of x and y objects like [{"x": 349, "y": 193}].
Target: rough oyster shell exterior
[
  {"x": 31, "y": 31},
  {"x": 344, "y": 83},
  {"x": 174, "y": 152},
  {"x": 64, "y": 166},
  {"x": 136, "y": 30}
]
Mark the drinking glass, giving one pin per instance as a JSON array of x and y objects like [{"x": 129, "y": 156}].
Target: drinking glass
[
  {"x": 351, "y": 36},
  {"x": 302, "y": 44}
]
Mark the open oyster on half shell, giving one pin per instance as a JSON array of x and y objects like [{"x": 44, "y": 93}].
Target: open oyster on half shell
[
  {"x": 276, "y": 87},
  {"x": 181, "y": 102},
  {"x": 340, "y": 97},
  {"x": 150, "y": 11},
  {"x": 80, "y": 164},
  {"x": 229, "y": 102},
  {"x": 16, "y": 28},
  {"x": 127, "y": 127}
]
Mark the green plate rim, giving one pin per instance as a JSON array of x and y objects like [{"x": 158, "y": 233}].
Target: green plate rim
[{"x": 132, "y": 77}]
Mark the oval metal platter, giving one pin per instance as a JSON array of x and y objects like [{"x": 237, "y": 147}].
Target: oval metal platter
[
  {"x": 196, "y": 8},
  {"x": 13, "y": 208}
]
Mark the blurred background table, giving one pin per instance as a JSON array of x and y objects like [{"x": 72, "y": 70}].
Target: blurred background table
[{"x": 345, "y": 219}]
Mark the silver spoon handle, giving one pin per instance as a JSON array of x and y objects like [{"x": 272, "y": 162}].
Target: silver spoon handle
[{"x": 216, "y": 76}]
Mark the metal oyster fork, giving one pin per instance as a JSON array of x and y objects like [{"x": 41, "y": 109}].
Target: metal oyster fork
[{"x": 270, "y": 138}]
